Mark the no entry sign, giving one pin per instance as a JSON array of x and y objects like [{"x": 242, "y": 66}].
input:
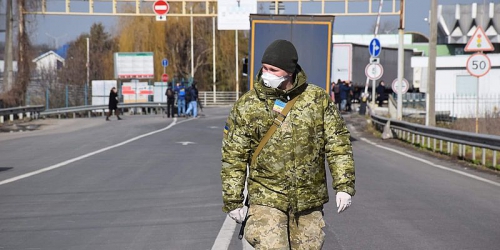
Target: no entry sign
[
  {"x": 164, "y": 78},
  {"x": 161, "y": 7}
]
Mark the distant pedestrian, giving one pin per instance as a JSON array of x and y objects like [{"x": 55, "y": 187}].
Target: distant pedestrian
[
  {"x": 192, "y": 99},
  {"x": 180, "y": 90},
  {"x": 170, "y": 101},
  {"x": 349, "y": 97},
  {"x": 381, "y": 95},
  {"x": 113, "y": 104},
  {"x": 336, "y": 93},
  {"x": 345, "y": 91}
]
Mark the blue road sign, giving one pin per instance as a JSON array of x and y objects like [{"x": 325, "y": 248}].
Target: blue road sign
[
  {"x": 164, "y": 62},
  {"x": 375, "y": 47}
]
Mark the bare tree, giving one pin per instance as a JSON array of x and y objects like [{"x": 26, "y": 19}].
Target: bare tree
[{"x": 17, "y": 94}]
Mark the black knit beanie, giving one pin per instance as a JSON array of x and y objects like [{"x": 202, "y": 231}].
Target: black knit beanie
[{"x": 281, "y": 54}]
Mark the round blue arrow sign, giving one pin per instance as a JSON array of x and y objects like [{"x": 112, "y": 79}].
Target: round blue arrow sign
[
  {"x": 375, "y": 47},
  {"x": 164, "y": 62}
]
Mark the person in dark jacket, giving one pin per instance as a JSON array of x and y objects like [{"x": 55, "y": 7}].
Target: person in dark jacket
[
  {"x": 345, "y": 91},
  {"x": 336, "y": 92},
  {"x": 192, "y": 99},
  {"x": 170, "y": 101},
  {"x": 113, "y": 104},
  {"x": 381, "y": 95}
]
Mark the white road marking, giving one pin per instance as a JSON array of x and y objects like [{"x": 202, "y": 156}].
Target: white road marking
[
  {"x": 185, "y": 143},
  {"x": 433, "y": 164},
  {"x": 225, "y": 234},
  {"x": 64, "y": 163}
]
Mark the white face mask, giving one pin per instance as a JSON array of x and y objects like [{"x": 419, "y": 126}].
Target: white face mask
[{"x": 272, "y": 81}]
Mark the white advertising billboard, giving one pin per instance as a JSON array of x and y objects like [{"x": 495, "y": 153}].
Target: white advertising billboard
[
  {"x": 134, "y": 65},
  {"x": 100, "y": 91},
  {"x": 235, "y": 15},
  {"x": 160, "y": 88},
  {"x": 136, "y": 92}
]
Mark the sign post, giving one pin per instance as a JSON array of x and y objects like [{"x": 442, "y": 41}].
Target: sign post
[
  {"x": 374, "y": 71},
  {"x": 405, "y": 87},
  {"x": 161, "y": 9},
  {"x": 374, "y": 48},
  {"x": 164, "y": 77},
  {"x": 164, "y": 62},
  {"x": 478, "y": 64}
]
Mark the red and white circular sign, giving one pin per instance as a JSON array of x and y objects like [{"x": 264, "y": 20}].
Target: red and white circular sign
[
  {"x": 161, "y": 7},
  {"x": 374, "y": 71},
  {"x": 164, "y": 78},
  {"x": 405, "y": 87},
  {"x": 478, "y": 64}
]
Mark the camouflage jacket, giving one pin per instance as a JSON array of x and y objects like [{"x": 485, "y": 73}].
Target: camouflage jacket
[{"x": 289, "y": 173}]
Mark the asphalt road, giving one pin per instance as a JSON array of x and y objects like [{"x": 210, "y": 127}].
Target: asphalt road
[{"x": 150, "y": 182}]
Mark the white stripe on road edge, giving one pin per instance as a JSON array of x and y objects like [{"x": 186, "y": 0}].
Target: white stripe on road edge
[
  {"x": 433, "y": 164},
  {"x": 64, "y": 163},
  {"x": 225, "y": 234}
]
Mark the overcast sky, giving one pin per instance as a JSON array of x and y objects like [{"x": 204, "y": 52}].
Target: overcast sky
[{"x": 60, "y": 29}]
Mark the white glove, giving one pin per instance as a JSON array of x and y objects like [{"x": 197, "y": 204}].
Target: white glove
[
  {"x": 238, "y": 214},
  {"x": 343, "y": 201}
]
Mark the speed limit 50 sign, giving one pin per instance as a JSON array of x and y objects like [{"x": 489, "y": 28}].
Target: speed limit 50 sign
[{"x": 478, "y": 64}]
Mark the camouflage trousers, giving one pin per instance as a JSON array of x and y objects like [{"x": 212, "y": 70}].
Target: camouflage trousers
[{"x": 269, "y": 228}]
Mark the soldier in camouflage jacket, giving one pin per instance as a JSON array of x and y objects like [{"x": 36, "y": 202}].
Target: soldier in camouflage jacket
[{"x": 288, "y": 178}]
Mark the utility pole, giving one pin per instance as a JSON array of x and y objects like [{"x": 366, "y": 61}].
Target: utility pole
[
  {"x": 214, "y": 78},
  {"x": 88, "y": 62},
  {"x": 401, "y": 62},
  {"x": 430, "y": 117},
  {"x": 237, "y": 63},
  {"x": 8, "y": 78},
  {"x": 192, "y": 46}
]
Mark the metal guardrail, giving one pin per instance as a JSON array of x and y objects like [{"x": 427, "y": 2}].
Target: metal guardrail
[
  {"x": 89, "y": 109},
  {"x": 420, "y": 134},
  {"x": 19, "y": 112},
  {"x": 23, "y": 109}
]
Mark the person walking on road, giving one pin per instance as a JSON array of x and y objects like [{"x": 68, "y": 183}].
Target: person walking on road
[
  {"x": 113, "y": 104},
  {"x": 283, "y": 130},
  {"x": 192, "y": 93}
]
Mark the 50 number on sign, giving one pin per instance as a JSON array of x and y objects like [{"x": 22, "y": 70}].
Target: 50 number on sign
[{"x": 478, "y": 64}]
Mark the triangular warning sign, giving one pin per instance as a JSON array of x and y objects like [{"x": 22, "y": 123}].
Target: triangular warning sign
[{"x": 479, "y": 42}]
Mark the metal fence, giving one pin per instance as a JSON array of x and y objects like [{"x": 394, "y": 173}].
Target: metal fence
[
  {"x": 58, "y": 95},
  {"x": 457, "y": 106},
  {"x": 208, "y": 98},
  {"x": 464, "y": 106}
]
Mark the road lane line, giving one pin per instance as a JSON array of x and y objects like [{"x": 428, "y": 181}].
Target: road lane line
[
  {"x": 225, "y": 234},
  {"x": 433, "y": 164},
  {"x": 64, "y": 163}
]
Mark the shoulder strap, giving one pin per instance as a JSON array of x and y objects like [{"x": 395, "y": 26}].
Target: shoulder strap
[{"x": 276, "y": 123}]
